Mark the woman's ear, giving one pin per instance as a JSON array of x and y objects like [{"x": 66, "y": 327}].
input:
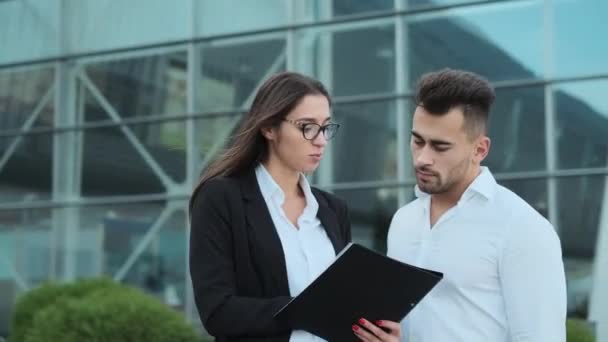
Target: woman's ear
[{"x": 268, "y": 133}]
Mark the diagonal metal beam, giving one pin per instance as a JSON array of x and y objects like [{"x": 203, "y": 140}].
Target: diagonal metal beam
[
  {"x": 145, "y": 241},
  {"x": 274, "y": 67},
  {"x": 23, "y": 286},
  {"x": 221, "y": 140},
  {"x": 26, "y": 126},
  {"x": 139, "y": 147}
]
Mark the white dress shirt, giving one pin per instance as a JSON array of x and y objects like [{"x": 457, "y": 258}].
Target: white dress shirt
[
  {"x": 502, "y": 264},
  {"x": 308, "y": 250}
]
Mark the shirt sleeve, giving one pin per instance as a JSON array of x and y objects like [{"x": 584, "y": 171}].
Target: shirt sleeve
[{"x": 532, "y": 276}]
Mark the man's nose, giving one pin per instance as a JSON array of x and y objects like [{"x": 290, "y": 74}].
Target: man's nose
[{"x": 424, "y": 157}]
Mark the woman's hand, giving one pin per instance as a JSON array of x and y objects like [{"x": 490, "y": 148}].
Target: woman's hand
[{"x": 382, "y": 331}]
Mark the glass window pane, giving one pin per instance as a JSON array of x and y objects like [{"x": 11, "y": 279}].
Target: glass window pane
[
  {"x": 117, "y": 230},
  {"x": 579, "y": 30},
  {"x": 365, "y": 148},
  {"x": 212, "y": 134},
  {"x": 579, "y": 234},
  {"x": 581, "y": 111},
  {"x": 108, "y": 234},
  {"x": 104, "y": 239},
  {"x": 517, "y": 130},
  {"x": 25, "y": 256},
  {"x": 29, "y": 30},
  {"x": 26, "y": 167},
  {"x": 106, "y": 24},
  {"x": 314, "y": 10},
  {"x": 233, "y": 70},
  {"x": 25, "y": 240},
  {"x": 143, "y": 86},
  {"x": 417, "y": 4},
  {"x": 229, "y": 16},
  {"x": 26, "y": 99},
  {"x": 166, "y": 144},
  {"x": 133, "y": 159},
  {"x": 371, "y": 212},
  {"x": 533, "y": 191},
  {"x": 479, "y": 39},
  {"x": 349, "y": 61}
]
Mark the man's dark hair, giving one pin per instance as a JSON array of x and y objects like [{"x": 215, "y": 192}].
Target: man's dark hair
[{"x": 438, "y": 92}]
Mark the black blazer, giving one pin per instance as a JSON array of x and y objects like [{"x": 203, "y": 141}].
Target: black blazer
[{"x": 237, "y": 263}]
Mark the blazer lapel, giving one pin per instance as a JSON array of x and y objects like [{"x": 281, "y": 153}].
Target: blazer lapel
[{"x": 268, "y": 252}]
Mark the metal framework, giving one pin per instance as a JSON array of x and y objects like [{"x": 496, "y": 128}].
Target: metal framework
[{"x": 71, "y": 78}]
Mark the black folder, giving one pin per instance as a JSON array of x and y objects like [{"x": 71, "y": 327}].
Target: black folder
[{"x": 359, "y": 283}]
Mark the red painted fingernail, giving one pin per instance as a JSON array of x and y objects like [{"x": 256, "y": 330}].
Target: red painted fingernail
[
  {"x": 361, "y": 321},
  {"x": 355, "y": 327},
  {"x": 378, "y": 323}
]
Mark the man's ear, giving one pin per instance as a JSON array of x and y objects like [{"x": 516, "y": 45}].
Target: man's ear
[{"x": 482, "y": 148}]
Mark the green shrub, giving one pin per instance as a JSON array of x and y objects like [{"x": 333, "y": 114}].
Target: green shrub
[
  {"x": 47, "y": 294},
  {"x": 96, "y": 310},
  {"x": 578, "y": 330}
]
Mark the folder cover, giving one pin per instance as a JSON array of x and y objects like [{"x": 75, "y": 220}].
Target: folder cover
[{"x": 359, "y": 283}]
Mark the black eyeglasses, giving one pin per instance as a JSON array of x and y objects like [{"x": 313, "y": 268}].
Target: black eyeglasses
[{"x": 311, "y": 130}]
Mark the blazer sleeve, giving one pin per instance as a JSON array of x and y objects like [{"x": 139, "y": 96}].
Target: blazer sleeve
[{"x": 212, "y": 269}]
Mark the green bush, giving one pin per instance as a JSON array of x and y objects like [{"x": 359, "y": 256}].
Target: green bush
[
  {"x": 578, "y": 330},
  {"x": 47, "y": 294},
  {"x": 96, "y": 310}
]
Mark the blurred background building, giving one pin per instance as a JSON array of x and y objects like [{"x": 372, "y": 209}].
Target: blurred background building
[{"x": 110, "y": 109}]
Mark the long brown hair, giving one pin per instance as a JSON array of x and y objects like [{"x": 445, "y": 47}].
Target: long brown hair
[{"x": 273, "y": 101}]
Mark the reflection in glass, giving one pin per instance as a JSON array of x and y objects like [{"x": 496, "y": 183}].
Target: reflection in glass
[
  {"x": 213, "y": 133},
  {"x": 371, "y": 212},
  {"x": 112, "y": 165},
  {"x": 29, "y": 31},
  {"x": 26, "y": 169},
  {"x": 315, "y": 10},
  {"x": 229, "y": 16},
  {"x": 414, "y": 4},
  {"x": 25, "y": 245},
  {"x": 517, "y": 131},
  {"x": 580, "y": 203},
  {"x": 533, "y": 191},
  {"x": 21, "y": 95},
  {"x": 161, "y": 269},
  {"x": 232, "y": 72},
  {"x": 111, "y": 233},
  {"x": 478, "y": 39},
  {"x": 106, "y": 237},
  {"x": 94, "y": 25},
  {"x": 143, "y": 86},
  {"x": 365, "y": 148},
  {"x": 579, "y": 46},
  {"x": 357, "y": 61},
  {"x": 581, "y": 111}
]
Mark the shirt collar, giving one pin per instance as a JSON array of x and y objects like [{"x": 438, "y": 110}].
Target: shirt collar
[
  {"x": 270, "y": 189},
  {"x": 484, "y": 185},
  {"x": 268, "y": 186},
  {"x": 312, "y": 206}
]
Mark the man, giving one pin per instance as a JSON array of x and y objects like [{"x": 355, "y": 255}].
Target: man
[{"x": 502, "y": 264}]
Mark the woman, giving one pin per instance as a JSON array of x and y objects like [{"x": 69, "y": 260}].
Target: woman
[{"x": 260, "y": 234}]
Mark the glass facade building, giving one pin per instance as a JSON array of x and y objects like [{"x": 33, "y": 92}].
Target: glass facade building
[{"x": 109, "y": 110}]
